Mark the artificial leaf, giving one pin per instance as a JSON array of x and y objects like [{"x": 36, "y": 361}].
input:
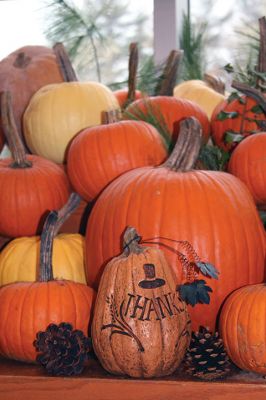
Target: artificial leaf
[
  {"x": 229, "y": 68},
  {"x": 235, "y": 96},
  {"x": 223, "y": 115},
  {"x": 195, "y": 292},
  {"x": 208, "y": 269},
  {"x": 232, "y": 137},
  {"x": 257, "y": 109}
]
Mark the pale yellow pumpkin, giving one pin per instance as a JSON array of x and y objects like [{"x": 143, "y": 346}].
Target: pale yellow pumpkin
[
  {"x": 57, "y": 112},
  {"x": 199, "y": 92},
  {"x": 19, "y": 258}
]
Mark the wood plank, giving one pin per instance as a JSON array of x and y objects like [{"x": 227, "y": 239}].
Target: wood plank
[{"x": 29, "y": 382}]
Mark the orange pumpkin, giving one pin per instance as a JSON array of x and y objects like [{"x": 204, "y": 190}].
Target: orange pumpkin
[
  {"x": 99, "y": 154},
  {"x": 242, "y": 327},
  {"x": 167, "y": 112},
  {"x": 29, "y": 307},
  {"x": 23, "y": 72},
  {"x": 140, "y": 326},
  {"x": 29, "y": 186},
  {"x": 248, "y": 163},
  {"x": 212, "y": 210}
]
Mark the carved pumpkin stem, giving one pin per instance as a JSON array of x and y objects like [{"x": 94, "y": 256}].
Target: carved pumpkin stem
[
  {"x": 186, "y": 150},
  {"x": 10, "y": 129},
  {"x": 168, "y": 79},
  {"x": 64, "y": 63},
  {"x": 53, "y": 223},
  {"x": 131, "y": 241}
]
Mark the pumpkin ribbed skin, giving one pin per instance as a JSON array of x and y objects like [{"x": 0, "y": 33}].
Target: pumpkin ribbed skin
[
  {"x": 242, "y": 327},
  {"x": 200, "y": 93},
  {"x": 172, "y": 110},
  {"x": 248, "y": 163},
  {"x": 122, "y": 96},
  {"x": 99, "y": 154},
  {"x": 212, "y": 210},
  {"x": 243, "y": 123},
  {"x": 56, "y": 113},
  {"x": 24, "y": 75},
  {"x": 26, "y": 308},
  {"x": 27, "y": 194},
  {"x": 159, "y": 345},
  {"x": 18, "y": 259}
]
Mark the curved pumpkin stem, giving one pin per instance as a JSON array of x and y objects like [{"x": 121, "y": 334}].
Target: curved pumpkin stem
[
  {"x": 168, "y": 79},
  {"x": 10, "y": 129},
  {"x": 251, "y": 92},
  {"x": 187, "y": 147},
  {"x": 132, "y": 73},
  {"x": 214, "y": 82},
  {"x": 64, "y": 63},
  {"x": 53, "y": 223},
  {"x": 110, "y": 117}
]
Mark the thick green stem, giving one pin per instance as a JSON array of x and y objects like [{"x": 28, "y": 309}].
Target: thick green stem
[
  {"x": 12, "y": 135},
  {"x": 186, "y": 151},
  {"x": 53, "y": 223},
  {"x": 64, "y": 63}
]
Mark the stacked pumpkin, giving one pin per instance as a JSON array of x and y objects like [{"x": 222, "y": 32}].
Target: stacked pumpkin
[{"x": 143, "y": 189}]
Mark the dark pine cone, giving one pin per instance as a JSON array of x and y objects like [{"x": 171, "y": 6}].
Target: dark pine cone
[
  {"x": 62, "y": 350},
  {"x": 206, "y": 357}
]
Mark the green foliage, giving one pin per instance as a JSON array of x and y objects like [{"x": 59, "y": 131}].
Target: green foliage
[
  {"x": 192, "y": 43},
  {"x": 213, "y": 157}
]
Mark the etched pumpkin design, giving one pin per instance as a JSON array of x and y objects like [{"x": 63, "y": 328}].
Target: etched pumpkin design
[{"x": 141, "y": 327}]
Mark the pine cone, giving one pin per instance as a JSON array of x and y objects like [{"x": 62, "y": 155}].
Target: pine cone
[
  {"x": 206, "y": 357},
  {"x": 63, "y": 351}
]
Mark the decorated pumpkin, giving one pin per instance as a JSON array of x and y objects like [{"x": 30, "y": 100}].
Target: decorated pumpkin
[
  {"x": 99, "y": 154},
  {"x": 211, "y": 210},
  {"x": 141, "y": 327},
  {"x": 201, "y": 92},
  {"x": 29, "y": 307},
  {"x": 23, "y": 72},
  {"x": 242, "y": 327},
  {"x": 20, "y": 256},
  {"x": 30, "y": 185},
  {"x": 248, "y": 163}
]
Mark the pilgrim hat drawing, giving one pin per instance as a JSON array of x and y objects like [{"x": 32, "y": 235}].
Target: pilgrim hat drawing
[{"x": 150, "y": 281}]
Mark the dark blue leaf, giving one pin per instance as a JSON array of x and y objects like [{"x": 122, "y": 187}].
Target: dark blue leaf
[
  {"x": 195, "y": 292},
  {"x": 208, "y": 269}
]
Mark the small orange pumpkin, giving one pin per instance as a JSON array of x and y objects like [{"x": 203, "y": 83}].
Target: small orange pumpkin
[
  {"x": 140, "y": 327},
  {"x": 29, "y": 307}
]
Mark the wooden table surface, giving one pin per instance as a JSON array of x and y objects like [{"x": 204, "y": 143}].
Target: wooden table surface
[{"x": 20, "y": 381}]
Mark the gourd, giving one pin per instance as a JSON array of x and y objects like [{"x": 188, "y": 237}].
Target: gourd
[
  {"x": 140, "y": 326},
  {"x": 211, "y": 210},
  {"x": 99, "y": 154},
  {"x": 23, "y": 72},
  {"x": 57, "y": 112},
  {"x": 248, "y": 163},
  {"x": 29, "y": 307},
  {"x": 29, "y": 185},
  {"x": 242, "y": 327},
  {"x": 20, "y": 256}
]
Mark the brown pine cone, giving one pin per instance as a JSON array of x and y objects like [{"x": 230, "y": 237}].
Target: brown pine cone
[{"x": 62, "y": 350}]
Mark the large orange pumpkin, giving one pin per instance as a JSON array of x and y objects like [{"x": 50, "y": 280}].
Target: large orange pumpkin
[
  {"x": 242, "y": 327},
  {"x": 23, "y": 72},
  {"x": 140, "y": 325},
  {"x": 248, "y": 163},
  {"x": 29, "y": 186},
  {"x": 212, "y": 210},
  {"x": 99, "y": 154},
  {"x": 29, "y": 307}
]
